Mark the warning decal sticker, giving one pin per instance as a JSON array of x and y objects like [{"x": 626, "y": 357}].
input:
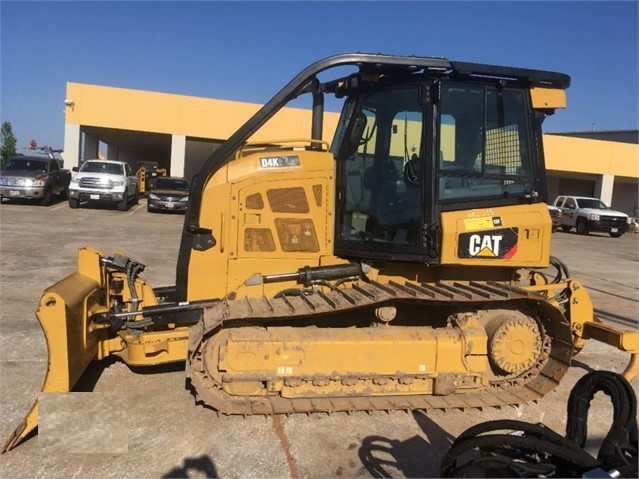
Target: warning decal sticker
[{"x": 482, "y": 223}]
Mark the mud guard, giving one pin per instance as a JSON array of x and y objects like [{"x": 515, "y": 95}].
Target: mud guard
[{"x": 62, "y": 315}]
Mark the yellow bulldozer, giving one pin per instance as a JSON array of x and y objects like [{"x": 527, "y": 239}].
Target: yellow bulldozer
[{"x": 404, "y": 265}]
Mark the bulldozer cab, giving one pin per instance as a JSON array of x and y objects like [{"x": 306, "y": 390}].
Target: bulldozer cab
[
  {"x": 426, "y": 148},
  {"x": 418, "y": 137}
]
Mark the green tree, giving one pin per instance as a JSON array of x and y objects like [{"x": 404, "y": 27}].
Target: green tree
[{"x": 9, "y": 142}]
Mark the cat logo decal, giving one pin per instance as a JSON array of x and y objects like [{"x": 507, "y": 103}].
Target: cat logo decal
[{"x": 496, "y": 243}]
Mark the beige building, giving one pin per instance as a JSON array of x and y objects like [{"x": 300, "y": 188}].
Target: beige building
[{"x": 180, "y": 132}]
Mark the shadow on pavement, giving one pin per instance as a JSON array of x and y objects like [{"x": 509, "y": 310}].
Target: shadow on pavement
[
  {"x": 633, "y": 299},
  {"x": 616, "y": 318},
  {"x": 415, "y": 457},
  {"x": 201, "y": 466}
]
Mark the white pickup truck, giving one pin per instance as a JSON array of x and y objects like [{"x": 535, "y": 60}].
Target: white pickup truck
[
  {"x": 104, "y": 181},
  {"x": 587, "y": 214}
]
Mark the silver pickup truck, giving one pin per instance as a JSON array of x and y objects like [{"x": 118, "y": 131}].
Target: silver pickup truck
[
  {"x": 587, "y": 214},
  {"x": 38, "y": 178}
]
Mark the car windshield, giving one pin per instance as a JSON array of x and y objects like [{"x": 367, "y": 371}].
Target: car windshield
[
  {"x": 593, "y": 203},
  {"x": 102, "y": 167},
  {"x": 26, "y": 165},
  {"x": 171, "y": 184}
]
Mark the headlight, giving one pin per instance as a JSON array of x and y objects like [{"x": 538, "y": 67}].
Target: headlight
[
  {"x": 3, "y": 182},
  {"x": 75, "y": 181},
  {"x": 154, "y": 197},
  {"x": 39, "y": 182},
  {"x": 593, "y": 217},
  {"x": 118, "y": 183},
  {"x": 185, "y": 199},
  {"x": 28, "y": 182}
]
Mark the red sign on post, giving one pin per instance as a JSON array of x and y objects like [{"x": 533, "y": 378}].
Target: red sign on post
[{"x": 33, "y": 144}]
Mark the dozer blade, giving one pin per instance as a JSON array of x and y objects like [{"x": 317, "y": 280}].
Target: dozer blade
[
  {"x": 62, "y": 316},
  {"x": 623, "y": 340}
]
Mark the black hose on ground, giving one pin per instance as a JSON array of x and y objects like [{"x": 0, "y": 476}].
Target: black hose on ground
[
  {"x": 619, "y": 448},
  {"x": 510, "y": 448}
]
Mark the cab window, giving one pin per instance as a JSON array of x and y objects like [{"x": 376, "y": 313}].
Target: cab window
[
  {"x": 380, "y": 203},
  {"x": 483, "y": 143}
]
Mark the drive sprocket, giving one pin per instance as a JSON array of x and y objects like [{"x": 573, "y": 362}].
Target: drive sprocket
[{"x": 515, "y": 344}]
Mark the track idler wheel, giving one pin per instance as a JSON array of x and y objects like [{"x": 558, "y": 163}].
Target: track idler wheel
[{"x": 514, "y": 342}]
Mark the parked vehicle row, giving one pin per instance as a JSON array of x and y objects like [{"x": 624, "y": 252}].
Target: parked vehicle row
[
  {"x": 114, "y": 182},
  {"x": 94, "y": 182}
]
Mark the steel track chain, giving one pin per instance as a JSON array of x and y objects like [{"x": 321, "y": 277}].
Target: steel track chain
[{"x": 531, "y": 385}]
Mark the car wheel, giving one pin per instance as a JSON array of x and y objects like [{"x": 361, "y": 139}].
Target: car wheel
[
  {"x": 64, "y": 194},
  {"x": 616, "y": 235},
  {"x": 73, "y": 203},
  {"x": 566, "y": 228},
  {"x": 136, "y": 198},
  {"x": 582, "y": 227},
  {"x": 46, "y": 200},
  {"x": 124, "y": 204}
]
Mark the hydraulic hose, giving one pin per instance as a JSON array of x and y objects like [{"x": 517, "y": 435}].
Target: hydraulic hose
[
  {"x": 619, "y": 448},
  {"x": 533, "y": 450}
]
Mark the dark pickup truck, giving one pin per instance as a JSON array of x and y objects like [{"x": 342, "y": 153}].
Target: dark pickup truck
[{"x": 33, "y": 178}]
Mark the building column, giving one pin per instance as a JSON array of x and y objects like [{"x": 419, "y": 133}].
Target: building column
[
  {"x": 178, "y": 149},
  {"x": 90, "y": 147},
  {"x": 113, "y": 152},
  {"x": 603, "y": 188},
  {"x": 71, "y": 153}
]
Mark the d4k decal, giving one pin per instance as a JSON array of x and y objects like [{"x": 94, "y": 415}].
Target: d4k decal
[
  {"x": 279, "y": 161},
  {"x": 496, "y": 243}
]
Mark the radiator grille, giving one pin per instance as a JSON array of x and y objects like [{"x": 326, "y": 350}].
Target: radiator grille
[
  {"x": 296, "y": 235},
  {"x": 17, "y": 181},
  {"x": 288, "y": 200},
  {"x": 611, "y": 221},
  {"x": 317, "y": 193},
  {"x": 254, "y": 202},
  {"x": 96, "y": 183},
  {"x": 258, "y": 239}
]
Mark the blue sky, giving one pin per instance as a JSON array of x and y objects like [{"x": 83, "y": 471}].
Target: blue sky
[{"x": 247, "y": 51}]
